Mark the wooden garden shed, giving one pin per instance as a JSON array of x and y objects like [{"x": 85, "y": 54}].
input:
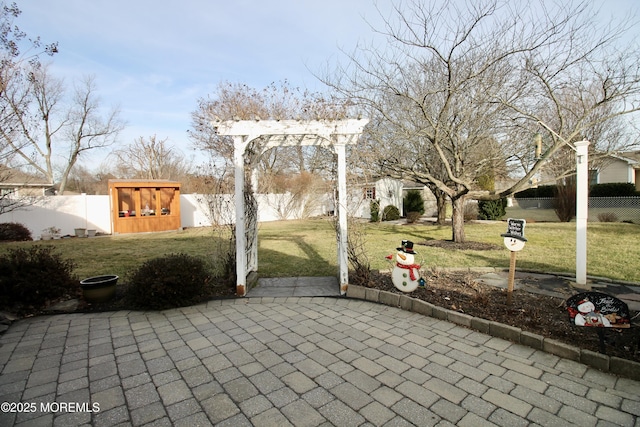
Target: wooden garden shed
[{"x": 139, "y": 206}]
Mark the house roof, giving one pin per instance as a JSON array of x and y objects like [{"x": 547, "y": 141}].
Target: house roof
[
  {"x": 143, "y": 183},
  {"x": 631, "y": 157},
  {"x": 15, "y": 178},
  {"x": 406, "y": 185},
  {"x": 412, "y": 185}
]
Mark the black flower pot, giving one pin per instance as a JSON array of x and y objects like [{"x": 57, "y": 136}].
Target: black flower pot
[{"x": 99, "y": 288}]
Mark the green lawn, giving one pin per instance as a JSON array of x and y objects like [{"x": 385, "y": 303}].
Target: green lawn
[
  {"x": 612, "y": 247},
  {"x": 303, "y": 248}
]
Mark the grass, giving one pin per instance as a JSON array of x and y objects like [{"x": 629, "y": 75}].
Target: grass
[
  {"x": 308, "y": 248},
  {"x": 612, "y": 251},
  {"x": 120, "y": 254}
]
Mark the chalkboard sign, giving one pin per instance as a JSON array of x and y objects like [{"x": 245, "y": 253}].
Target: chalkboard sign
[
  {"x": 515, "y": 229},
  {"x": 597, "y": 309}
]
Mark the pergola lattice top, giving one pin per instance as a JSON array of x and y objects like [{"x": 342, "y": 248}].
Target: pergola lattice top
[{"x": 293, "y": 132}]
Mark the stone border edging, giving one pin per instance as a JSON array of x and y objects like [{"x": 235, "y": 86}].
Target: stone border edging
[{"x": 615, "y": 365}]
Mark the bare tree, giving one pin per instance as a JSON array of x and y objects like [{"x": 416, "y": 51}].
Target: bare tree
[
  {"x": 152, "y": 158},
  {"x": 45, "y": 125},
  {"x": 16, "y": 48},
  {"x": 16, "y": 51},
  {"x": 95, "y": 181},
  {"x": 87, "y": 128},
  {"x": 275, "y": 102},
  {"x": 455, "y": 77}
]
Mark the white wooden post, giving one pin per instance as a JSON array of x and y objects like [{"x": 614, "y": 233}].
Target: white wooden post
[
  {"x": 582, "y": 210},
  {"x": 241, "y": 255},
  {"x": 343, "y": 264}
]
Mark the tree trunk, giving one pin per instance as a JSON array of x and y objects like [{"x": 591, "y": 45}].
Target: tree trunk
[
  {"x": 457, "y": 220},
  {"x": 441, "y": 203}
]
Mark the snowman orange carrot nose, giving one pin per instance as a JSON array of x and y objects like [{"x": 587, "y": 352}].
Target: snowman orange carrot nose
[{"x": 404, "y": 258}]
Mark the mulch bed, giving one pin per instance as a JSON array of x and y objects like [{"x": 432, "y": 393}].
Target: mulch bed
[{"x": 543, "y": 315}]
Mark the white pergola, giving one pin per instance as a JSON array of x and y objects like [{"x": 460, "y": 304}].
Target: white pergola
[{"x": 263, "y": 135}]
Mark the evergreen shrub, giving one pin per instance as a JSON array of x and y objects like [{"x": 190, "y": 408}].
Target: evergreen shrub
[
  {"x": 174, "y": 280},
  {"x": 390, "y": 213},
  {"x": 14, "y": 232},
  {"x": 32, "y": 278},
  {"x": 413, "y": 202},
  {"x": 492, "y": 209},
  {"x": 374, "y": 207}
]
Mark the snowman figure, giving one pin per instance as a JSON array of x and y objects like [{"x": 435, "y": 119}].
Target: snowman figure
[
  {"x": 406, "y": 273},
  {"x": 588, "y": 316},
  {"x": 514, "y": 238}
]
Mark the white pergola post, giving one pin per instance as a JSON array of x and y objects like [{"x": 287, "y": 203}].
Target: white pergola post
[
  {"x": 276, "y": 133},
  {"x": 582, "y": 210},
  {"x": 239, "y": 147},
  {"x": 343, "y": 262}
]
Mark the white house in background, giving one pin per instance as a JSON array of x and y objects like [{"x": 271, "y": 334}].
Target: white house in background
[
  {"x": 18, "y": 184},
  {"x": 624, "y": 168},
  {"x": 387, "y": 191}
]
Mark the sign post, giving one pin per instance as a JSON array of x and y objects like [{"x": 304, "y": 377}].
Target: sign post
[
  {"x": 512, "y": 276},
  {"x": 514, "y": 240}
]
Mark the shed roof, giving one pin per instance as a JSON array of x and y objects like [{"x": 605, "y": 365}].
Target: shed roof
[{"x": 143, "y": 183}]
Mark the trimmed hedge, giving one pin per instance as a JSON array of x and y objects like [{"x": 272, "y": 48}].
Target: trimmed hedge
[
  {"x": 543, "y": 191},
  {"x": 613, "y": 189}
]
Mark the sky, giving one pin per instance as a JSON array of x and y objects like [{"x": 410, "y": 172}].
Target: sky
[{"x": 155, "y": 58}]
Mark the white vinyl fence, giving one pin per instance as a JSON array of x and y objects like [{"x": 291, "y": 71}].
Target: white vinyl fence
[
  {"x": 94, "y": 212},
  {"x": 63, "y": 212}
]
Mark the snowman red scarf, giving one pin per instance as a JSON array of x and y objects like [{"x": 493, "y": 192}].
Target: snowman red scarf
[{"x": 412, "y": 269}]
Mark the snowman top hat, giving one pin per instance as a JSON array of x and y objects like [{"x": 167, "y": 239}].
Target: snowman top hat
[
  {"x": 407, "y": 247},
  {"x": 514, "y": 236}
]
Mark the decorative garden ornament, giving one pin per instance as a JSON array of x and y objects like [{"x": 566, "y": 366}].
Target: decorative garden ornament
[{"x": 406, "y": 273}]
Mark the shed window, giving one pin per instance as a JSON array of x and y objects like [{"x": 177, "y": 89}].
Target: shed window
[
  {"x": 370, "y": 193},
  {"x": 148, "y": 201},
  {"x": 166, "y": 198},
  {"x": 126, "y": 203}
]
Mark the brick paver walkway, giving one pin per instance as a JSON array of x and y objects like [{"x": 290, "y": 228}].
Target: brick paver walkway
[{"x": 292, "y": 361}]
